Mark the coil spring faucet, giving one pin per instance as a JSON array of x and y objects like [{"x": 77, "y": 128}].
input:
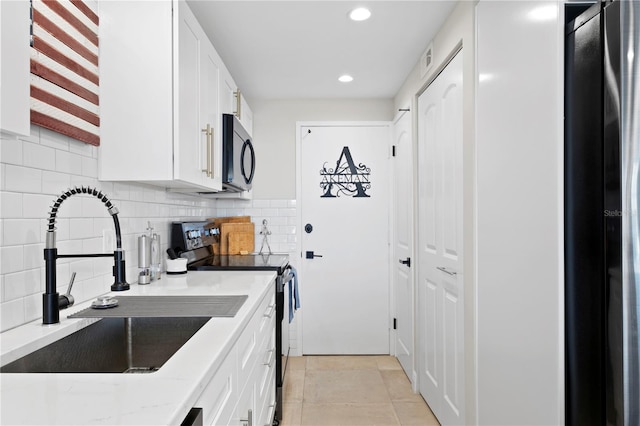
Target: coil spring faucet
[{"x": 51, "y": 301}]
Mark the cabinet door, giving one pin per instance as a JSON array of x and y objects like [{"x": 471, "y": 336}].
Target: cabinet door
[
  {"x": 14, "y": 67},
  {"x": 136, "y": 106},
  {"x": 210, "y": 116},
  {"x": 246, "y": 115},
  {"x": 228, "y": 88},
  {"x": 194, "y": 76}
]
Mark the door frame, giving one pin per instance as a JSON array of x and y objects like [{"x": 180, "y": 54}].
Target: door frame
[{"x": 300, "y": 226}]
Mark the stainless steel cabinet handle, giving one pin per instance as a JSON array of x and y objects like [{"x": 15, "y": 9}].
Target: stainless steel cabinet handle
[
  {"x": 209, "y": 132},
  {"x": 272, "y": 357},
  {"x": 270, "y": 310},
  {"x": 238, "y": 96},
  {"x": 249, "y": 419},
  {"x": 446, "y": 270}
]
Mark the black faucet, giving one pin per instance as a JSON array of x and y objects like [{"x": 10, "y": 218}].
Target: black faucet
[{"x": 51, "y": 301}]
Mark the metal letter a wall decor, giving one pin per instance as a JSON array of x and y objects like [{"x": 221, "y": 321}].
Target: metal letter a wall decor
[{"x": 346, "y": 178}]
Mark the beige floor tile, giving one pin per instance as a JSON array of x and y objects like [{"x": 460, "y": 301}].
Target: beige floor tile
[
  {"x": 348, "y": 414},
  {"x": 339, "y": 362},
  {"x": 291, "y": 414},
  {"x": 293, "y": 386},
  {"x": 399, "y": 386},
  {"x": 344, "y": 386},
  {"x": 415, "y": 413},
  {"x": 388, "y": 363},
  {"x": 297, "y": 363}
]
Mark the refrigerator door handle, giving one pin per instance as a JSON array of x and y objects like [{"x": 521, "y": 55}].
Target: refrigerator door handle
[{"x": 630, "y": 154}]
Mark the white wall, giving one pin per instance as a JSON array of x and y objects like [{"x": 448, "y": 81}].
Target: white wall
[
  {"x": 274, "y": 135},
  {"x": 519, "y": 213}
]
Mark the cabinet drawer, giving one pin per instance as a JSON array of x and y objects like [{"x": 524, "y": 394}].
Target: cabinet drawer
[
  {"x": 218, "y": 399},
  {"x": 267, "y": 365},
  {"x": 251, "y": 341},
  {"x": 267, "y": 403}
]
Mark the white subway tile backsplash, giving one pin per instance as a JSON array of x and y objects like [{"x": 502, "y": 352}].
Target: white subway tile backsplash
[
  {"x": 33, "y": 306},
  {"x": 22, "y": 179},
  {"x": 21, "y": 231},
  {"x": 11, "y": 259},
  {"x": 83, "y": 149},
  {"x": 67, "y": 162},
  {"x": 53, "y": 183},
  {"x": 12, "y": 314},
  {"x": 289, "y": 212},
  {"x": 35, "y": 205},
  {"x": 33, "y": 255},
  {"x": 89, "y": 167},
  {"x": 278, "y": 204},
  {"x": 10, "y": 205},
  {"x": 53, "y": 139},
  {"x": 38, "y": 156},
  {"x": 11, "y": 150},
  {"x": 21, "y": 284},
  {"x": 81, "y": 228}
]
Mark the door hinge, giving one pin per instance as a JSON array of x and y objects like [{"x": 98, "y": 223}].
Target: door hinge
[
  {"x": 393, "y": 150},
  {"x": 395, "y": 323}
]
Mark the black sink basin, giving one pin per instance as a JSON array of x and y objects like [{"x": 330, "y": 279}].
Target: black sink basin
[{"x": 112, "y": 345}]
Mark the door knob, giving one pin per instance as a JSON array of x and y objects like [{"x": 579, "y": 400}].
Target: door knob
[
  {"x": 311, "y": 255},
  {"x": 407, "y": 262}
]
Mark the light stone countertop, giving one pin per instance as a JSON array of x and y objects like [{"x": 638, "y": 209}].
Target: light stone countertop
[{"x": 162, "y": 397}]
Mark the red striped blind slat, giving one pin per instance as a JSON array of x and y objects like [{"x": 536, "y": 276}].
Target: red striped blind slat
[
  {"x": 66, "y": 129},
  {"x": 85, "y": 9},
  {"x": 58, "y": 102},
  {"x": 65, "y": 38},
  {"x": 58, "y": 8},
  {"x": 64, "y": 61},
  {"x": 60, "y": 80},
  {"x": 50, "y": 51}
]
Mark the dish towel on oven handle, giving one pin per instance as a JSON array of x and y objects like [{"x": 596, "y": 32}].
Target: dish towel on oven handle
[{"x": 293, "y": 293}]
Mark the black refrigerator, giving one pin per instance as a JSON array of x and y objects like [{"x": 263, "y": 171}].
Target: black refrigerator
[{"x": 601, "y": 220}]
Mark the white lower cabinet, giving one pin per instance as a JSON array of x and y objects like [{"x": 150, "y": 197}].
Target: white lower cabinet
[{"x": 242, "y": 391}]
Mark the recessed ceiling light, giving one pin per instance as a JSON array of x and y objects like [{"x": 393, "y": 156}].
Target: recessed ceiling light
[
  {"x": 346, "y": 78},
  {"x": 360, "y": 14}
]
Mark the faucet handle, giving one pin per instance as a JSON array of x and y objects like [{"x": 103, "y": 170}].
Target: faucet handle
[
  {"x": 67, "y": 299},
  {"x": 71, "y": 281}
]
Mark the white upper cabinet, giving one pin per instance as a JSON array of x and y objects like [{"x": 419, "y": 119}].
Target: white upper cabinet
[
  {"x": 14, "y": 67},
  {"x": 196, "y": 73},
  {"x": 244, "y": 113},
  {"x": 233, "y": 102},
  {"x": 161, "y": 94}
]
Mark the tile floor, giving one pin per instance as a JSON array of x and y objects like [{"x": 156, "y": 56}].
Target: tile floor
[{"x": 351, "y": 390}]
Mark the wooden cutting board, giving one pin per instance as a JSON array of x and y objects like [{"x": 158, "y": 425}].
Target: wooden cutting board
[
  {"x": 244, "y": 240},
  {"x": 241, "y": 242}
]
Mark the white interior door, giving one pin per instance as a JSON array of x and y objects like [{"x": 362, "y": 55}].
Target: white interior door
[
  {"x": 344, "y": 210},
  {"x": 403, "y": 241},
  {"x": 440, "y": 291}
]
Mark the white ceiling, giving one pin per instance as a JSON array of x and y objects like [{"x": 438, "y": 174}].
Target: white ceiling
[{"x": 298, "y": 49}]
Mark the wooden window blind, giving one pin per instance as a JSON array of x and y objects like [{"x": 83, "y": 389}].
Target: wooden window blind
[{"x": 64, "y": 68}]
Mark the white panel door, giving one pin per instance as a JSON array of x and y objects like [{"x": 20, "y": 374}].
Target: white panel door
[
  {"x": 403, "y": 241},
  {"x": 344, "y": 207},
  {"x": 440, "y": 293}
]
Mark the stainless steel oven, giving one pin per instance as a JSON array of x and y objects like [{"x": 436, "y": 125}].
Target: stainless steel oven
[{"x": 192, "y": 241}]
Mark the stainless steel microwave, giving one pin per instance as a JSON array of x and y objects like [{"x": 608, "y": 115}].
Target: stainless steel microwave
[{"x": 238, "y": 156}]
